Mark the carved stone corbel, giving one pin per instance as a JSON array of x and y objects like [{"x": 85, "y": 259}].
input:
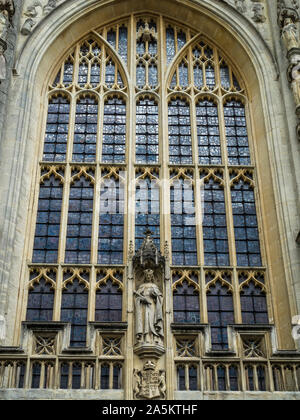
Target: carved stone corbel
[{"x": 258, "y": 10}]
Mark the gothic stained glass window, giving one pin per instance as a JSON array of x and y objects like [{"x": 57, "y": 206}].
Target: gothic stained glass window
[
  {"x": 236, "y": 133},
  {"x": 111, "y": 223},
  {"x": 108, "y": 116},
  {"x": 254, "y": 305},
  {"x": 146, "y": 131},
  {"x": 74, "y": 307},
  {"x": 220, "y": 314},
  {"x": 180, "y": 142},
  {"x": 85, "y": 133},
  {"x": 56, "y": 136},
  {"x": 79, "y": 229},
  {"x": 147, "y": 209},
  {"x": 108, "y": 302},
  {"x": 40, "y": 302},
  {"x": 183, "y": 229},
  {"x": 46, "y": 241},
  {"x": 245, "y": 225},
  {"x": 186, "y": 304},
  {"x": 209, "y": 148},
  {"x": 216, "y": 251},
  {"x": 114, "y": 131}
]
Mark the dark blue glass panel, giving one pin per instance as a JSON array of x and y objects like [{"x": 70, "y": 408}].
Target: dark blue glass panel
[
  {"x": 56, "y": 135},
  {"x": 186, "y": 304},
  {"x": 79, "y": 229},
  {"x": 220, "y": 314},
  {"x": 108, "y": 303},
  {"x": 85, "y": 132},
  {"x": 245, "y": 225},
  {"x": 216, "y": 251},
  {"x": 180, "y": 142},
  {"x": 254, "y": 305},
  {"x": 170, "y": 41},
  {"x": 147, "y": 131},
  {"x": 74, "y": 306},
  {"x": 236, "y": 133},
  {"x": 209, "y": 148},
  {"x": 111, "y": 224},
  {"x": 46, "y": 239},
  {"x": 123, "y": 43},
  {"x": 147, "y": 211},
  {"x": 183, "y": 229},
  {"x": 40, "y": 302},
  {"x": 114, "y": 131}
]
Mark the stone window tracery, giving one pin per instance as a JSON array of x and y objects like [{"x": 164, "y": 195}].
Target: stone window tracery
[{"x": 168, "y": 110}]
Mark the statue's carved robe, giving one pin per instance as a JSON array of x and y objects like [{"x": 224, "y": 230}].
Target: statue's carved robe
[{"x": 149, "y": 316}]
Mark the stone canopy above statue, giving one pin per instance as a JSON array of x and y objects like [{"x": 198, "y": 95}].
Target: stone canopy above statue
[{"x": 148, "y": 256}]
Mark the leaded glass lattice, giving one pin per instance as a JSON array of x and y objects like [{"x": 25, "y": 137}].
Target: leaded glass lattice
[
  {"x": 180, "y": 141},
  {"x": 147, "y": 146},
  {"x": 148, "y": 127},
  {"x": 56, "y": 136}
]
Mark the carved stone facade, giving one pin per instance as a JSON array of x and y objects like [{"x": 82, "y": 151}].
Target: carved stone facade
[
  {"x": 288, "y": 21},
  {"x": 160, "y": 342}
]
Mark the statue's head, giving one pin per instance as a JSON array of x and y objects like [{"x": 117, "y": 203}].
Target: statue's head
[{"x": 149, "y": 275}]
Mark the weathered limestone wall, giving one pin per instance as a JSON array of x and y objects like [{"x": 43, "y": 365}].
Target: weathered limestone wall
[{"x": 12, "y": 41}]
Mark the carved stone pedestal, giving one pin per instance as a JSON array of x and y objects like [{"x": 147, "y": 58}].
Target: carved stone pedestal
[{"x": 146, "y": 351}]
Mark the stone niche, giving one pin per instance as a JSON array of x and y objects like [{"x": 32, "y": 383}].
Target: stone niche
[{"x": 149, "y": 321}]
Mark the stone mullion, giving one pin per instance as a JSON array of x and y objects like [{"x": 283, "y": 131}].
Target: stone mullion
[
  {"x": 128, "y": 284},
  {"x": 229, "y": 218},
  {"x": 197, "y": 185},
  {"x": 203, "y": 302},
  {"x": 76, "y": 68},
  {"x": 94, "y": 245},
  {"x": 165, "y": 231},
  {"x": 62, "y": 243}
]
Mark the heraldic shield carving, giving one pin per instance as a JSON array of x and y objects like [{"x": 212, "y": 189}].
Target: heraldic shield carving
[{"x": 150, "y": 383}]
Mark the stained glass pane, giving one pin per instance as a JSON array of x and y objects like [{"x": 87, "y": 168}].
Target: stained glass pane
[
  {"x": 79, "y": 229},
  {"x": 146, "y": 131},
  {"x": 40, "y": 302},
  {"x": 74, "y": 306},
  {"x": 68, "y": 73},
  {"x": 236, "y": 133},
  {"x": 47, "y": 229},
  {"x": 254, "y": 305},
  {"x": 85, "y": 132},
  {"x": 186, "y": 304},
  {"x": 111, "y": 224},
  {"x": 56, "y": 136},
  {"x": 216, "y": 251},
  {"x": 123, "y": 43},
  {"x": 209, "y": 148},
  {"x": 220, "y": 314},
  {"x": 170, "y": 40},
  {"x": 180, "y": 142},
  {"x": 147, "y": 210},
  {"x": 114, "y": 131},
  {"x": 245, "y": 225},
  {"x": 183, "y": 229},
  {"x": 108, "y": 303}
]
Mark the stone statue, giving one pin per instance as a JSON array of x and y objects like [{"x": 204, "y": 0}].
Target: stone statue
[
  {"x": 8, "y": 7},
  {"x": 290, "y": 35},
  {"x": 2, "y": 63},
  {"x": 3, "y": 25},
  {"x": 149, "y": 315}
]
